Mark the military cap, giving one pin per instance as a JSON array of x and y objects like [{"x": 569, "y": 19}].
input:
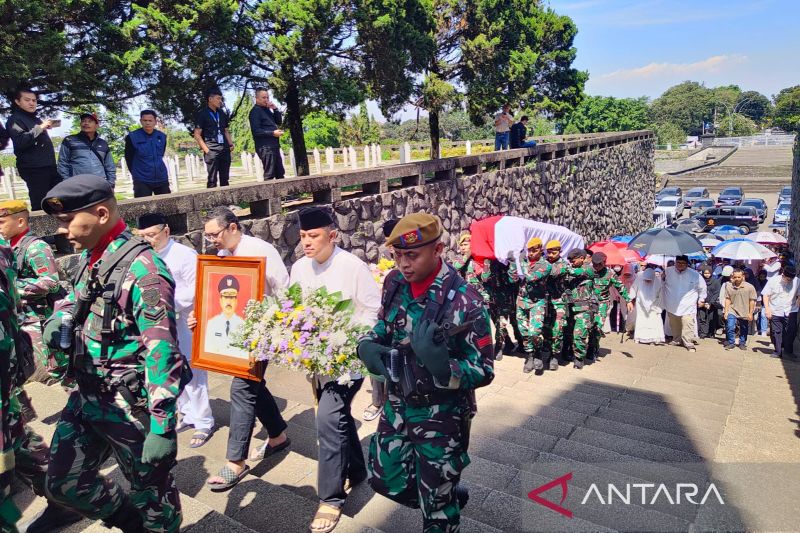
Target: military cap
[
  {"x": 534, "y": 242},
  {"x": 598, "y": 257},
  {"x": 314, "y": 217},
  {"x": 77, "y": 193},
  {"x": 151, "y": 219},
  {"x": 554, "y": 243},
  {"x": 227, "y": 284},
  {"x": 92, "y": 116},
  {"x": 576, "y": 253},
  {"x": 464, "y": 236},
  {"x": 415, "y": 230},
  {"x": 10, "y": 207}
]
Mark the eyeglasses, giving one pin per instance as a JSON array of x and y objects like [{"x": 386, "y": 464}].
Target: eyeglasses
[
  {"x": 151, "y": 236},
  {"x": 211, "y": 237}
]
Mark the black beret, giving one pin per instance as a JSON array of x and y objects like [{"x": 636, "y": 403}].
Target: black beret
[
  {"x": 388, "y": 226},
  {"x": 77, "y": 193},
  {"x": 598, "y": 257},
  {"x": 151, "y": 219},
  {"x": 314, "y": 217},
  {"x": 576, "y": 253},
  {"x": 228, "y": 283}
]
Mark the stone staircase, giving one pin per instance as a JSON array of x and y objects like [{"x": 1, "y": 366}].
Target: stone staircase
[{"x": 641, "y": 414}]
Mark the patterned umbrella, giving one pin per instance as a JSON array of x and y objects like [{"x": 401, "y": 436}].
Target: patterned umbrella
[
  {"x": 665, "y": 241},
  {"x": 766, "y": 237},
  {"x": 742, "y": 250},
  {"x": 622, "y": 238}
]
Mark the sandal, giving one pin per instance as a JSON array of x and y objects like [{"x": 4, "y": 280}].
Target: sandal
[
  {"x": 333, "y": 518},
  {"x": 201, "y": 435},
  {"x": 231, "y": 479},
  {"x": 266, "y": 450},
  {"x": 371, "y": 413},
  {"x": 182, "y": 426}
]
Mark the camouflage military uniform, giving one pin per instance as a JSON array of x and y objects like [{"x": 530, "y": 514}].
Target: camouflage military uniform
[
  {"x": 531, "y": 301},
  {"x": 99, "y": 421},
  {"x": 579, "y": 291},
  {"x": 37, "y": 279},
  {"x": 502, "y": 293},
  {"x": 419, "y": 450},
  {"x": 9, "y": 514},
  {"x": 557, "y": 318},
  {"x": 469, "y": 271},
  {"x": 601, "y": 284}
]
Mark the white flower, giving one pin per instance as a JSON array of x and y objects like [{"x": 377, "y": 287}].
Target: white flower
[{"x": 344, "y": 379}]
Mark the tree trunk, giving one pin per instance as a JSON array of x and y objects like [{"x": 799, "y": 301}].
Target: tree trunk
[
  {"x": 294, "y": 121},
  {"x": 433, "y": 122}
]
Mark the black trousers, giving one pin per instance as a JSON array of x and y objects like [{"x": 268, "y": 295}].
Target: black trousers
[
  {"x": 707, "y": 320},
  {"x": 790, "y": 333},
  {"x": 218, "y": 163},
  {"x": 39, "y": 181},
  {"x": 340, "y": 454},
  {"x": 251, "y": 399},
  {"x": 378, "y": 392},
  {"x": 778, "y": 326},
  {"x": 272, "y": 162},
  {"x": 141, "y": 189}
]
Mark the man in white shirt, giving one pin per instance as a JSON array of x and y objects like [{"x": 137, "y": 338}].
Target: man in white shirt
[
  {"x": 684, "y": 290},
  {"x": 249, "y": 399},
  {"x": 221, "y": 328},
  {"x": 502, "y": 126},
  {"x": 193, "y": 403},
  {"x": 326, "y": 265},
  {"x": 780, "y": 301}
]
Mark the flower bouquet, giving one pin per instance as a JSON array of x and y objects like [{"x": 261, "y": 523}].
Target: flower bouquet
[
  {"x": 310, "y": 332},
  {"x": 381, "y": 270}
]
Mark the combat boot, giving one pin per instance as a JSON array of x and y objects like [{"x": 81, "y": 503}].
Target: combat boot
[
  {"x": 578, "y": 363},
  {"x": 538, "y": 365},
  {"x": 54, "y": 517},
  {"x": 127, "y": 518},
  {"x": 554, "y": 363},
  {"x": 462, "y": 495},
  {"x": 529, "y": 363}
]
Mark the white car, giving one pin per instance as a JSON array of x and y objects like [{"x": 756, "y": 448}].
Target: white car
[{"x": 671, "y": 206}]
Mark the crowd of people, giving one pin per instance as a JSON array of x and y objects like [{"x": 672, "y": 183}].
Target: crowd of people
[{"x": 86, "y": 152}]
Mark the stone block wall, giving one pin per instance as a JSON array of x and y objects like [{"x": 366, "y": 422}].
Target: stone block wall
[{"x": 596, "y": 193}]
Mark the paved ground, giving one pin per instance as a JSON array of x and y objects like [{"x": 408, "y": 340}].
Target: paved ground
[{"x": 649, "y": 413}]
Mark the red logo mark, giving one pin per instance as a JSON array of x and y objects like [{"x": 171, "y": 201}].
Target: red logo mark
[{"x": 562, "y": 482}]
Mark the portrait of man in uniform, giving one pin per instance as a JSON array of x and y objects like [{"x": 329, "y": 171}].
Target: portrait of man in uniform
[{"x": 221, "y": 328}]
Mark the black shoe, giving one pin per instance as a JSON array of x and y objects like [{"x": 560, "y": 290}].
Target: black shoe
[
  {"x": 578, "y": 364},
  {"x": 743, "y": 347},
  {"x": 729, "y": 347},
  {"x": 462, "y": 495},
  {"x": 127, "y": 518},
  {"x": 589, "y": 360},
  {"x": 775, "y": 355},
  {"x": 553, "y": 363},
  {"x": 54, "y": 517},
  {"x": 538, "y": 364},
  {"x": 529, "y": 364},
  {"x": 498, "y": 350}
]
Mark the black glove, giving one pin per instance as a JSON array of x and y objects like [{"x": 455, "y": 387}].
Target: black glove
[
  {"x": 52, "y": 332},
  {"x": 371, "y": 353},
  {"x": 432, "y": 355}
]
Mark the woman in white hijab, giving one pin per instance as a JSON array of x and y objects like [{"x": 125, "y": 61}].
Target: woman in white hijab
[{"x": 646, "y": 291}]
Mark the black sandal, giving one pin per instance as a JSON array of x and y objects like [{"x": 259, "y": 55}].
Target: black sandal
[{"x": 231, "y": 479}]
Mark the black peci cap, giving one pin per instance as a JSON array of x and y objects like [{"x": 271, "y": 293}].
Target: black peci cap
[
  {"x": 77, "y": 193},
  {"x": 314, "y": 217},
  {"x": 151, "y": 219}
]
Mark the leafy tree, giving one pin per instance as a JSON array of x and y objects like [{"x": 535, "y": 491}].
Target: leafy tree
[
  {"x": 753, "y": 105},
  {"x": 240, "y": 123},
  {"x": 359, "y": 129},
  {"x": 606, "y": 113},
  {"x": 114, "y": 126},
  {"x": 786, "y": 114},
  {"x": 685, "y": 105},
  {"x": 321, "y": 130},
  {"x": 668, "y": 133},
  {"x": 735, "y": 125}
]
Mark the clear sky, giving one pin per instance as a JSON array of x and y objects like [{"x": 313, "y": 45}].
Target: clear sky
[{"x": 640, "y": 48}]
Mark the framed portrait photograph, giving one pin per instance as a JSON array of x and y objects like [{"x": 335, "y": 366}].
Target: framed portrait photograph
[{"x": 224, "y": 286}]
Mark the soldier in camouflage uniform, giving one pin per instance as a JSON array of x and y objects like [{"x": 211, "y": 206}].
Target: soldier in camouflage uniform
[
  {"x": 531, "y": 302},
  {"x": 602, "y": 280},
  {"x": 9, "y": 514},
  {"x": 557, "y": 313},
  {"x": 128, "y": 380},
  {"x": 37, "y": 284},
  {"x": 473, "y": 273},
  {"x": 420, "y": 448},
  {"x": 582, "y": 306}
]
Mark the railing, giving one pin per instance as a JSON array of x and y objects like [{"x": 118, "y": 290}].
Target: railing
[
  {"x": 184, "y": 210},
  {"x": 778, "y": 139}
]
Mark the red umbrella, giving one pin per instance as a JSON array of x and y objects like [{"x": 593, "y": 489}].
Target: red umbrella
[
  {"x": 614, "y": 255},
  {"x": 601, "y": 244}
]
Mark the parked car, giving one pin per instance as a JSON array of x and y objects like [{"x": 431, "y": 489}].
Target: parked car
[
  {"x": 669, "y": 191},
  {"x": 785, "y": 194},
  {"x": 671, "y": 205},
  {"x": 730, "y": 196},
  {"x": 760, "y": 205},
  {"x": 745, "y": 218},
  {"x": 701, "y": 205},
  {"x": 782, "y": 213},
  {"x": 695, "y": 194}
]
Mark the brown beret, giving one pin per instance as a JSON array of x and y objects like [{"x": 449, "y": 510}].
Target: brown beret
[{"x": 414, "y": 231}]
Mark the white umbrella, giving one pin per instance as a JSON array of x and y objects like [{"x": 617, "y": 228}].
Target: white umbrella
[
  {"x": 766, "y": 237},
  {"x": 742, "y": 250},
  {"x": 709, "y": 242}
]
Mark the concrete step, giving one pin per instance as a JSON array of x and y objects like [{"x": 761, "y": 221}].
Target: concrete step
[
  {"x": 705, "y": 448},
  {"x": 666, "y": 423},
  {"x": 710, "y": 412}
]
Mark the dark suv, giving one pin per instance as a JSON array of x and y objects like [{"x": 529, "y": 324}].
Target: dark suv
[
  {"x": 745, "y": 218},
  {"x": 731, "y": 196}
]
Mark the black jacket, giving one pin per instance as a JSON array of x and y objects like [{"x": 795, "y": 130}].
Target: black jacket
[
  {"x": 263, "y": 123},
  {"x": 518, "y": 134},
  {"x": 32, "y": 144},
  {"x": 713, "y": 288}
]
